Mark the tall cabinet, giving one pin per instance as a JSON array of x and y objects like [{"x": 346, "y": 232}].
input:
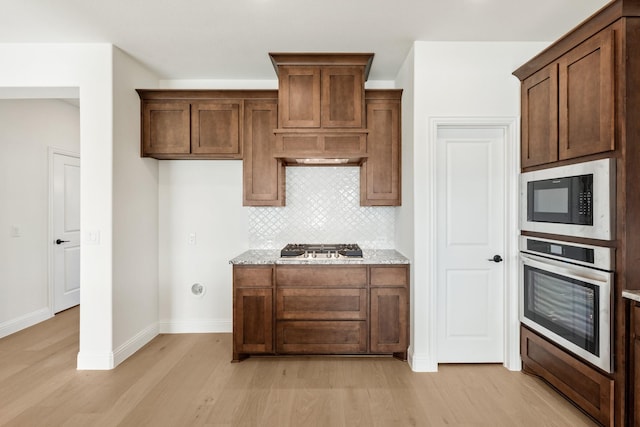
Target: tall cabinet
[{"x": 580, "y": 102}]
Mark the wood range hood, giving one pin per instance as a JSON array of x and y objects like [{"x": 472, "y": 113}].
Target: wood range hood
[{"x": 321, "y": 108}]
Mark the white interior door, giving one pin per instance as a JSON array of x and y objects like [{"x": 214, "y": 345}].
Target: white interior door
[
  {"x": 470, "y": 229},
  {"x": 66, "y": 231}
]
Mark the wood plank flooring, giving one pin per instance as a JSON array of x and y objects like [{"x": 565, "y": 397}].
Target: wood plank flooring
[{"x": 188, "y": 380}]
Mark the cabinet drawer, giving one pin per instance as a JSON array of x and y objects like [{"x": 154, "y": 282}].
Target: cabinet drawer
[
  {"x": 389, "y": 276},
  {"x": 321, "y": 304},
  {"x": 322, "y": 276},
  {"x": 587, "y": 388},
  {"x": 253, "y": 276},
  {"x": 321, "y": 337}
]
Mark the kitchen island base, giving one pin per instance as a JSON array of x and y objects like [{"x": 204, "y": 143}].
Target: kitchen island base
[{"x": 327, "y": 309}]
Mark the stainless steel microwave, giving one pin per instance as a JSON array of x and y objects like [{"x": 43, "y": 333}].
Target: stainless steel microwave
[{"x": 574, "y": 200}]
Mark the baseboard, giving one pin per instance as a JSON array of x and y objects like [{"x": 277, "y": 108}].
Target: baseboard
[
  {"x": 95, "y": 361},
  {"x": 421, "y": 362},
  {"x": 107, "y": 361},
  {"x": 134, "y": 344},
  {"x": 14, "y": 325},
  {"x": 195, "y": 326}
]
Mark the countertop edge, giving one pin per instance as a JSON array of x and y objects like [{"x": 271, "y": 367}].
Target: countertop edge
[
  {"x": 632, "y": 295},
  {"x": 371, "y": 257}
]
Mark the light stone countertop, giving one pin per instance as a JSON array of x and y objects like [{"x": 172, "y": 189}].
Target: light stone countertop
[
  {"x": 632, "y": 295},
  {"x": 271, "y": 256}
]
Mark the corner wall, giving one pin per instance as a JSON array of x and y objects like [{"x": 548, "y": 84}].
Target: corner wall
[{"x": 135, "y": 215}]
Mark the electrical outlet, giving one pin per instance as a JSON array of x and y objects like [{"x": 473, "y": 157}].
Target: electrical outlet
[
  {"x": 15, "y": 231},
  {"x": 192, "y": 238}
]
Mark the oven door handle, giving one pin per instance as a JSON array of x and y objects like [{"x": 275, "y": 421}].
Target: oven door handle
[{"x": 574, "y": 271}]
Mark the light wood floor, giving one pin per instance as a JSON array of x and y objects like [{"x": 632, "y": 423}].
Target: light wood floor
[{"x": 188, "y": 380}]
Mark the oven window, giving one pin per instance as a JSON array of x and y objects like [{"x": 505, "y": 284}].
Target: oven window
[{"x": 563, "y": 305}]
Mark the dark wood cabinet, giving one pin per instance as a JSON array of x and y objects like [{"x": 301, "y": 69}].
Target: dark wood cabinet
[
  {"x": 263, "y": 175},
  {"x": 321, "y": 115},
  {"x": 539, "y": 99},
  {"x": 216, "y": 128},
  {"x": 598, "y": 69},
  {"x": 252, "y": 311},
  {"x": 327, "y": 309},
  {"x": 590, "y": 389},
  {"x": 380, "y": 174},
  {"x": 320, "y": 90},
  {"x": 166, "y": 128},
  {"x": 389, "y": 310},
  {"x": 196, "y": 124},
  {"x": 586, "y": 93},
  {"x": 633, "y": 374},
  {"x": 568, "y": 106},
  {"x": 299, "y": 94}
]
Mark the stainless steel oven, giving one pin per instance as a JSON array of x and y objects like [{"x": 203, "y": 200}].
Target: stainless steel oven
[
  {"x": 573, "y": 200},
  {"x": 565, "y": 295}
]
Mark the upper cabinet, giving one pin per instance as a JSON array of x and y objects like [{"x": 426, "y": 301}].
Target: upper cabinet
[
  {"x": 194, "y": 124},
  {"x": 568, "y": 105},
  {"x": 321, "y": 110},
  {"x": 380, "y": 173},
  {"x": 320, "y": 115},
  {"x": 319, "y": 90}
]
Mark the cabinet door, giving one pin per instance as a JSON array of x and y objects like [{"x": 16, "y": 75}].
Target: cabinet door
[
  {"x": 253, "y": 320},
  {"x": 540, "y": 117},
  {"x": 635, "y": 364},
  {"x": 216, "y": 128},
  {"x": 165, "y": 128},
  {"x": 263, "y": 175},
  {"x": 299, "y": 97},
  {"x": 380, "y": 173},
  {"x": 389, "y": 320},
  {"x": 587, "y": 98},
  {"x": 342, "y": 97}
]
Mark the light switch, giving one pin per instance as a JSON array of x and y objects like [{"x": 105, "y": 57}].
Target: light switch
[{"x": 92, "y": 237}]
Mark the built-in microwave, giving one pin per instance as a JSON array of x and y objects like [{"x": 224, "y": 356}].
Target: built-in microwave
[{"x": 574, "y": 200}]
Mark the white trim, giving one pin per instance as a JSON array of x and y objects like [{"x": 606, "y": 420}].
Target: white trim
[
  {"x": 510, "y": 303},
  {"x": 196, "y": 326},
  {"x": 51, "y": 152},
  {"x": 134, "y": 344},
  {"x": 26, "y": 320},
  {"x": 95, "y": 361}
]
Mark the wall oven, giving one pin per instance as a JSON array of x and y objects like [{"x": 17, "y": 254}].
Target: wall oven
[
  {"x": 565, "y": 295},
  {"x": 573, "y": 200}
]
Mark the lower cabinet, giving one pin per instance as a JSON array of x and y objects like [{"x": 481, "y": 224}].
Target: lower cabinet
[
  {"x": 252, "y": 311},
  {"x": 329, "y": 309},
  {"x": 588, "y": 388},
  {"x": 633, "y": 374}
]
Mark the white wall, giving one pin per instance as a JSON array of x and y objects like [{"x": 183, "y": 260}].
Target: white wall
[
  {"x": 405, "y": 214},
  {"x": 27, "y": 129},
  {"x": 203, "y": 197},
  {"x": 135, "y": 215},
  {"x": 452, "y": 79}
]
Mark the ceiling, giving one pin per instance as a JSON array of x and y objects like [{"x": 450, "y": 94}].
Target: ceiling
[{"x": 230, "y": 39}]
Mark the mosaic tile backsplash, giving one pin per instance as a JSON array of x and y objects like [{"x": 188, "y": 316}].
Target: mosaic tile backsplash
[{"x": 323, "y": 206}]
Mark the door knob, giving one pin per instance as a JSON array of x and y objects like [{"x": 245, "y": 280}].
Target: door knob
[
  {"x": 61, "y": 241},
  {"x": 496, "y": 258}
]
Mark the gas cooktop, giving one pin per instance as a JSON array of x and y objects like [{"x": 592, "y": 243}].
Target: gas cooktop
[{"x": 321, "y": 250}]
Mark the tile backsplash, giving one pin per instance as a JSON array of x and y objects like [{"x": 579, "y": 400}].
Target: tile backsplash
[{"x": 323, "y": 206}]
